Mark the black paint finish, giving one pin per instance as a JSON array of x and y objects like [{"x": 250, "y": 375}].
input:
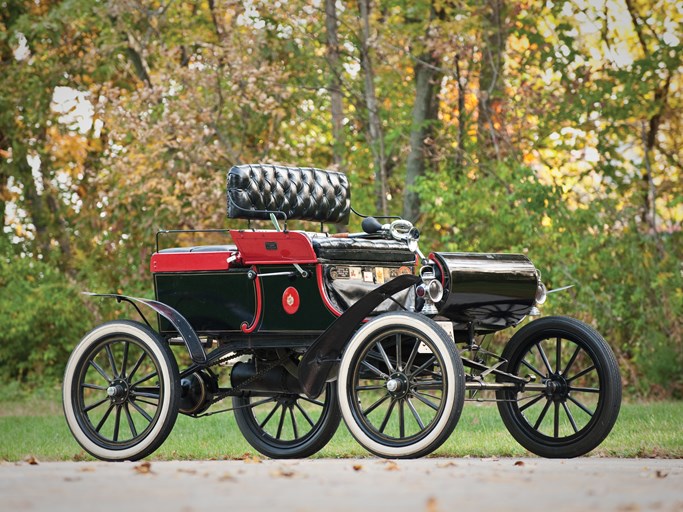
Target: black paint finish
[{"x": 494, "y": 291}]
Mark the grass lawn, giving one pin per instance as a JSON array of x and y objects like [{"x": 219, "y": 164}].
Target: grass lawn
[{"x": 35, "y": 426}]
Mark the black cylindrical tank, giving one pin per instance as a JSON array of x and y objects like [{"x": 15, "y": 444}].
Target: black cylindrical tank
[{"x": 492, "y": 291}]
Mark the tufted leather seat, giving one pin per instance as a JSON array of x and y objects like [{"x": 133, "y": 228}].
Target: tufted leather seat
[
  {"x": 362, "y": 249},
  {"x": 300, "y": 193}
]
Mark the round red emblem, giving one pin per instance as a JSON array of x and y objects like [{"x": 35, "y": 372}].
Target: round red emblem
[{"x": 290, "y": 300}]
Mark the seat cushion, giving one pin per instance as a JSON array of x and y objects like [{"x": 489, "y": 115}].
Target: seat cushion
[
  {"x": 362, "y": 250},
  {"x": 255, "y": 191}
]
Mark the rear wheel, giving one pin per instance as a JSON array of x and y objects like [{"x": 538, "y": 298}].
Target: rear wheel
[
  {"x": 287, "y": 425},
  {"x": 121, "y": 391},
  {"x": 574, "y": 400},
  {"x": 401, "y": 385}
]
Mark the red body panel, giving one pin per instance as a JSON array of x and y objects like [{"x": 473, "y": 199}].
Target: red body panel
[
  {"x": 273, "y": 247},
  {"x": 189, "y": 261}
]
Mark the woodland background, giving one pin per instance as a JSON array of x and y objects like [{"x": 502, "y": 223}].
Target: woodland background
[{"x": 548, "y": 128}]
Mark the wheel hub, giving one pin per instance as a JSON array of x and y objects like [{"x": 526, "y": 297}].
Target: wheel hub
[
  {"x": 557, "y": 388},
  {"x": 118, "y": 391},
  {"x": 397, "y": 385}
]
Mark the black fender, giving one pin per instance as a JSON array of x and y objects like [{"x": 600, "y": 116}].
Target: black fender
[
  {"x": 192, "y": 341},
  {"x": 323, "y": 355}
]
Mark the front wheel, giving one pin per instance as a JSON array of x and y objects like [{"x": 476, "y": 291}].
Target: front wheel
[
  {"x": 401, "y": 385},
  {"x": 573, "y": 399},
  {"x": 121, "y": 391}
]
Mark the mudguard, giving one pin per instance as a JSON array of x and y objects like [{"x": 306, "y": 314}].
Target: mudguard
[
  {"x": 325, "y": 351},
  {"x": 192, "y": 341}
]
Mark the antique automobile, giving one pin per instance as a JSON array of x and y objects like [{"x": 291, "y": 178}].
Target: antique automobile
[{"x": 303, "y": 328}]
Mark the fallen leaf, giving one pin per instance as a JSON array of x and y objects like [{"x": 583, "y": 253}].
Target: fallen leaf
[
  {"x": 282, "y": 473},
  {"x": 432, "y": 505},
  {"x": 391, "y": 466},
  {"x": 519, "y": 463},
  {"x": 143, "y": 468},
  {"x": 87, "y": 469},
  {"x": 357, "y": 467},
  {"x": 661, "y": 474},
  {"x": 31, "y": 460},
  {"x": 250, "y": 459},
  {"x": 226, "y": 477},
  {"x": 79, "y": 457},
  {"x": 449, "y": 464}
]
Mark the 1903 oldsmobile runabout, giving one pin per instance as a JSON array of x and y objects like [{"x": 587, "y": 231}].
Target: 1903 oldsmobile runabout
[{"x": 301, "y": 329}]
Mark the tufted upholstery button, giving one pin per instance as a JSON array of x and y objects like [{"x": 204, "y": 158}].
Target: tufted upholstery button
[{"x": 301, "y": 193}]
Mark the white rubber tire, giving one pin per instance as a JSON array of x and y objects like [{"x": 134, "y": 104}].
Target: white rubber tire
[
  {"x": 168, "y": 375},
  {"x": 455, "y": 378}
]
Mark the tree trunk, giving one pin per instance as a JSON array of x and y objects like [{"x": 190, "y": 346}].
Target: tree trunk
[
  {"x": 490, "y": 131},
  {"x": 375, "y": 134},
  {"x": 425, "y": 112},
  {"x": 336, "y": 104}
]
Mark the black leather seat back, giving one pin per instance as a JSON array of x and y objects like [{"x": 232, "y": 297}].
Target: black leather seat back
[{"x": 301, "y": 193}]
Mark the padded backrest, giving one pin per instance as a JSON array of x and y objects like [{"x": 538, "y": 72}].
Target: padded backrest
[{"x": 299, "y": 192}]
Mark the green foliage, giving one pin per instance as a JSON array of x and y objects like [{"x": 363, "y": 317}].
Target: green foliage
[{"x": 42, "y": 318}]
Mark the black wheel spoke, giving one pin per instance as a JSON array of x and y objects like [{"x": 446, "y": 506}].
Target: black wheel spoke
[
  {"x": 582, "y": 373},
  {"x": 141, "y": 410},
  {"x": 96, "y": 404},
  {"x": 581, "y": 406},
  {"x": 138, "y": 395},
  {"x": 533, "y": 368},
  {"x": 143, "y": 401},
  {"x": 305, "y": 414},
  {"x": 375, "y": 370},
  {"x": 131, "y": 424},
  {"x": 423, "y": 367},
  {"x": 412, "y": 356},
  {"x": 571, "y": 360},
  {"x": 93, "y": 386},
  {"x": 558, "y": 355},
  {"x": 311, "y": 400},
  {"x": 399, "y": 356},
  {"x": 401, "y": 419},
  {"x": 99, "y": 369},
  {"x": 124, "y": 362},
  {"x": 117, "y": 423},
  {"x": 281, "y": 423},
  {"x": 387, "y": 416},
  {"x": 424, "y": 400},
  {"x": 270, "y": 415},
  {"x": 415, "y": 414},
  {"x": 569, "y": 415},
  {"x": 112, "y": 363},
  {"x": 104, "y": 418},
  {"x": 385, "y": 357},
  {"x": 539, "y": 420},
  {"x": 556, "y": 420},
  {"x": 261, "y": 402},
  {"x": 145, "y": 379},
  {"x": 585, "y": 390},
  {"x": 376, "y": 404},
  {"x": 137, "y": 365},
  {"x": 531, "y": 402},
  {"x": 544, "y": 358},
  {"x": 370, "y": 388},
  {"x": 295, "y": 427}
]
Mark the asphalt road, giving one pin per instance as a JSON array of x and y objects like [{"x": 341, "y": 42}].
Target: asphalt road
[{"x": 429, "y": 485}]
